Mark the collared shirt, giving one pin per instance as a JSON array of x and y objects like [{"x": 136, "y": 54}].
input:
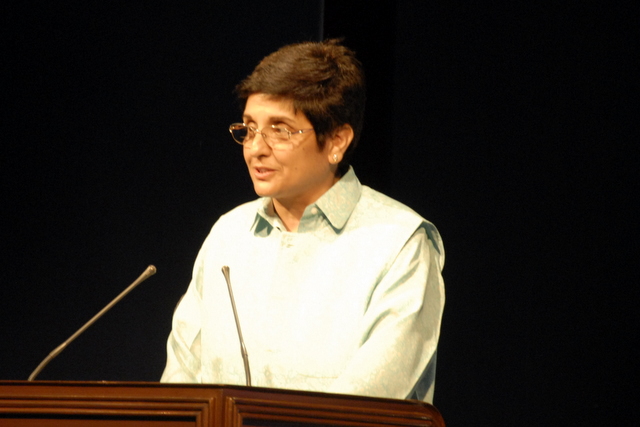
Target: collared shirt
[{"x": 350, "y": 303}]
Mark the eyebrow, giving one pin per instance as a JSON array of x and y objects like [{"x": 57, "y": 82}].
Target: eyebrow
[{"x": 273, "y": 119}]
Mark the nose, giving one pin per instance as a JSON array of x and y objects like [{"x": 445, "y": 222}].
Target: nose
[{"x": 258, "y": 146}]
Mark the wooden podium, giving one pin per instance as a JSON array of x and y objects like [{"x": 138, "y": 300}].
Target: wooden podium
[{"x": 110, "y": 404}]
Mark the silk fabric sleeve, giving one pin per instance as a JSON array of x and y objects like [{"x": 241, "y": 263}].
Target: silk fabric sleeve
[{"x": 401, "y": 325}]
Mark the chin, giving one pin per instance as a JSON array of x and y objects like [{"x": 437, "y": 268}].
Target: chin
[{"x": 262, "y": 191}]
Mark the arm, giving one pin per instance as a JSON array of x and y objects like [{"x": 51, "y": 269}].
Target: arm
[
  {"x": 401, "y": 325},
  {"x": 183, "y": 345}
]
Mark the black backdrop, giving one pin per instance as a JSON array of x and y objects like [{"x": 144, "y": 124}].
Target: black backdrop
[{"x": 508, "y": 126}]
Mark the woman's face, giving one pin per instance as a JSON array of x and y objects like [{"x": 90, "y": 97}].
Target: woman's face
[{"x": 295, "y": 177}]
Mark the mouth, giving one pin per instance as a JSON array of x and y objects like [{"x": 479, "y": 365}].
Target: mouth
[{"x": 262, "y": 172}]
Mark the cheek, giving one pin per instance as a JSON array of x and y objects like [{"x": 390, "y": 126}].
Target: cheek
[
  {"x": 301, "y": 161},
  {"x": 284, "y": 160}
]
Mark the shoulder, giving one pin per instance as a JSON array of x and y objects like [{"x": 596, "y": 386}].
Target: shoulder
[
  {"x": 378, "y": 211},
  {"x": 231, "y": 230},
  {"x": 377, "y": 208},
  {"x": 246, "y": 209},
  {"x": 234, "y": 222}
]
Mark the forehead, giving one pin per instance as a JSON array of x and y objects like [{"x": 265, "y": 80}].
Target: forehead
[{"x": 262, "y": 106}]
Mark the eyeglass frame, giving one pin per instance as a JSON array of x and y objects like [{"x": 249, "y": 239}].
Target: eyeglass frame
[{"x": 265, "y": 137}]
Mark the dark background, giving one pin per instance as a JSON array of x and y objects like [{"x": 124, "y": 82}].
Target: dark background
[{"x": 509, "y": 125}]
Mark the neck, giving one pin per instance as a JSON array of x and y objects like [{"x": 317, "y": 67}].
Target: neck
[
  {"x": 291, "y": 210},
  {"x": 289, "y": 215}
]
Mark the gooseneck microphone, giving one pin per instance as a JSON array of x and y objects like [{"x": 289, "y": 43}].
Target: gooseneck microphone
[
  {"x": 150, "y": 271},
  {"x": 243, "y": 349}
]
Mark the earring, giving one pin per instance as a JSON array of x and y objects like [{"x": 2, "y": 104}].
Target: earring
[{"x": 335, "y": 158}]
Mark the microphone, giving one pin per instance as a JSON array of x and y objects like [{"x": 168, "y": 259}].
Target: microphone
[
  {"x": 243, "y": 349},
  {"x": 150, "y": 271}
]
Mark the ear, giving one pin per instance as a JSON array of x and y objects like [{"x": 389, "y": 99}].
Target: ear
[{"x": 338, "y": 143}]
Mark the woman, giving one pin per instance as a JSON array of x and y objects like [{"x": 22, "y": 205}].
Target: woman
[{"x": 338, "y": 287}]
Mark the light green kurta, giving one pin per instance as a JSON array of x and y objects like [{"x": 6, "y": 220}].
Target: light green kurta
[{"x": 350, "y": 303}]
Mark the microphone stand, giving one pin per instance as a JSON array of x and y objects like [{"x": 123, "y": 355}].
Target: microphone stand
[
  {"x": 243, "y": 349},
  {"x": 150, "y": 271}
]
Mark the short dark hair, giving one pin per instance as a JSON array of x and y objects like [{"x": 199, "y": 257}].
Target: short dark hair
[{"x": 323, "y": 79}]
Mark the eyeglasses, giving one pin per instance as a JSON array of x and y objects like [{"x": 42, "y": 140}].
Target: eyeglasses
[{"x": 278, "y": 138}]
